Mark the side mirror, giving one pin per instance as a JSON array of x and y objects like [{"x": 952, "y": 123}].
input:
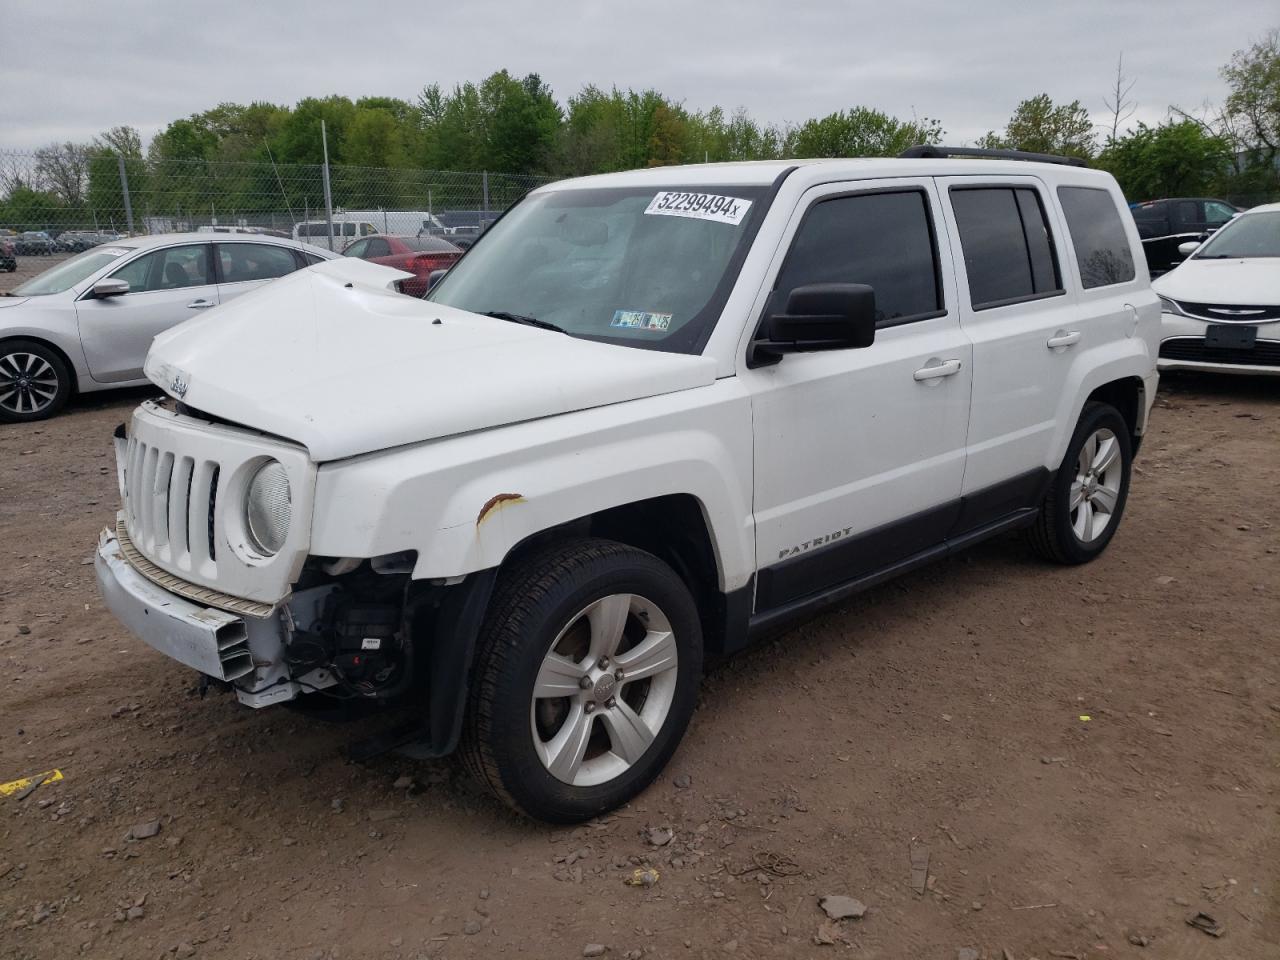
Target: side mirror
[
  {"x": 1187, "y": 248},
  {"x": 435, "y": 276},
  {"x": 110, "y": 288},
  {"x": 820, "y": 316}
]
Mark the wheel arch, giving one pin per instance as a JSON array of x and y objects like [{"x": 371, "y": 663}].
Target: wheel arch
[
  {"x": 1128, "y": 396},
  {"x": 49, "y": 345}
]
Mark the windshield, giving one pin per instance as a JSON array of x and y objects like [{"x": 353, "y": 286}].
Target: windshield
[
  {"x": 645, "y": 267},
  {"x": 70, "y": 272},
  {"x": 1249, "y": 235}
]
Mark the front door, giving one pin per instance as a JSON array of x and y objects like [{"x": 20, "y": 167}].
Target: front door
[
  {"x": 860, "y": 453},
  {"x": 166, "y": 286}
]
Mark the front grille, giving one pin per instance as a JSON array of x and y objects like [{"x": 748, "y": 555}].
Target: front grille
[
  {"x": 1265, "y": 353},
  {"x": 191, "y": 591},
  {"x": 169, "y": 502},
  {"x": 1230, "y": 312}
]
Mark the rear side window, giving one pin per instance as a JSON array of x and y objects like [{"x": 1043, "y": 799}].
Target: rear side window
[
  {"x": 884, "y": 240},
  {"x": 1097, "y": 234},
  {"x": 1008, "y": 248},
  {"x": 254, "y": 261}
]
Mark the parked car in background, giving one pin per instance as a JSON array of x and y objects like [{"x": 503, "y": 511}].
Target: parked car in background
[
  {"x": 420, "y": 256},
  {"x": 86, "y": 323},
  {"x": 8, "y": 255},
  {"x": 75, "y": 241},
  {"x": 1164, "y": 225},
  {"x": 1221, "y": 306},
  {"x": 35, "y": 243}
]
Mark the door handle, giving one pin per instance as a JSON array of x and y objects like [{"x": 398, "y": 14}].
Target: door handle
[
  {"x": 937, "y": 369},
  {"x": 1063, "y": 338},
  {"x": 201, "y": 304}
]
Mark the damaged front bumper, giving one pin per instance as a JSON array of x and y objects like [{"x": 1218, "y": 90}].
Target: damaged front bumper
[{"x": 245, "y": 651}]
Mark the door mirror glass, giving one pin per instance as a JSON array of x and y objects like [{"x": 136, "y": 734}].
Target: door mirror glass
[
  {"x": 110, "y": 287},
  {"x": 1188, "y": 248},
  {"x": 435, "y": 276}
]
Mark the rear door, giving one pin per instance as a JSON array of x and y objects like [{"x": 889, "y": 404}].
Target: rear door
[
  {"x": 1021, "y": 315},
  {"x": 246, "y": 266},
  {"x": 166, "y": 286}
]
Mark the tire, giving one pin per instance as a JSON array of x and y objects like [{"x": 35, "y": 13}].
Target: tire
[
  {"x": 1084, "y": 505},
  {"x": 34, "y": 381},
  {"x": 547, "y": 626}
]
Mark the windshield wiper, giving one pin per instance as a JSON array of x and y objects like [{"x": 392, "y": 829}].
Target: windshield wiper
[{"x": 526, "y": 321}]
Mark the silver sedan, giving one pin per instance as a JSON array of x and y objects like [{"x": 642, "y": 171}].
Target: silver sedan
[{"x": 87, "y": 323}]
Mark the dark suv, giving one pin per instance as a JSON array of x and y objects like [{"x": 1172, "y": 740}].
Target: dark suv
[{"x": 1164, "y": 224}]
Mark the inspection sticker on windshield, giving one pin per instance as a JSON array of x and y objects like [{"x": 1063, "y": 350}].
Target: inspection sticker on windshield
[
  {"x": 640, "y": 320},
  {"x": 699, "y": 206}
]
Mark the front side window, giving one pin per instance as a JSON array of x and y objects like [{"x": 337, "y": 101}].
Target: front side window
[
  {"x": 254, "y": 261},
  {"x": 1098, "y": 236},
  {"x": 641, "y": 266},
  {"x": 884, "y": 240},
  {"x": 1009, "y": 254},
  {"x": 1216, "y": 213},
  {"x": 170, "y": 269}
]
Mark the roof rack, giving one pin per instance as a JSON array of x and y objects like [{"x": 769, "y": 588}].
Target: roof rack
[{"x": 928, "y": 151}]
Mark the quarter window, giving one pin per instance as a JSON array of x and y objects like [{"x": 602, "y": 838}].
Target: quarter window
[
  {"x": 254, "y": 261},
  {"x": 1008, "y": 248},
  {"x": 1097, "y": 234},
  {"x": 884, "y": 240}
]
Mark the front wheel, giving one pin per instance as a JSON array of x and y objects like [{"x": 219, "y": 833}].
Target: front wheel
[
  {"x": 1082, "y": 510},
  {"x": 586, "y": 677},
  {"x": 34, "y": 381}
]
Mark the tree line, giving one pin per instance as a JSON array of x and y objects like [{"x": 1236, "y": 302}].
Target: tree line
[{"x": 515, "y": 125}]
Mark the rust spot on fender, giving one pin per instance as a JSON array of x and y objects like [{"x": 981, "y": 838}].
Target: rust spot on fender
[{"x": 494, "y": 502}]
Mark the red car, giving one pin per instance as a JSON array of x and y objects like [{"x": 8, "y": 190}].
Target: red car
[
  {"x": 8, "y": 256},
  {"x": 417, "y": 255}
]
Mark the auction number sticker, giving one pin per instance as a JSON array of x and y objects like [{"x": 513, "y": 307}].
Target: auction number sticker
[{"x": 699, "y": 206}]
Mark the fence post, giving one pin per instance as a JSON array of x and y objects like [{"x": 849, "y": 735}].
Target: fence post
[
  {"x": 484, "y": 186},
  {"x": 328, "y": 195},
  {"x": 124, "y": 189}
]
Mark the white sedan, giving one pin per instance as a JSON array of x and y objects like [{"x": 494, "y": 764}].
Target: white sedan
[
  {"x": 1221, "y": 306},
  {"x": 86, "y": 324}
]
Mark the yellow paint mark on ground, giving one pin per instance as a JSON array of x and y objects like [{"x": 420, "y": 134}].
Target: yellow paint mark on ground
[{"x": 18, "y": 786}]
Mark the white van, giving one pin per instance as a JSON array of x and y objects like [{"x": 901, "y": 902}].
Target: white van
[{"x": 345, "y": 232}]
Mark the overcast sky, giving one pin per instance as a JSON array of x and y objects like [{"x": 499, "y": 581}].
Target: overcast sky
[{"x": 70, "y": 68}]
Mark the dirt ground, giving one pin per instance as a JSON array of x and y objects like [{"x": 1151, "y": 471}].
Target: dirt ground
[{"x": 1087, "y": 755}]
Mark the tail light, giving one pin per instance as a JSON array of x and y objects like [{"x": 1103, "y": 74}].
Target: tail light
[{"x": 424, "y": 263}]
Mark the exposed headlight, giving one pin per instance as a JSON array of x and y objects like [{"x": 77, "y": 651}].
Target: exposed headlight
[
  {"x": 1170, "y": 306},
  {"x": 267, "y": 508}
]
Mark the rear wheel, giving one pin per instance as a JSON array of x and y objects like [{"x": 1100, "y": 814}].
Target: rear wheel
[
  {"x": 585, "y": 680},
  {"x": 34, "y": 381},
  {"x": 1082, "y": 510}
]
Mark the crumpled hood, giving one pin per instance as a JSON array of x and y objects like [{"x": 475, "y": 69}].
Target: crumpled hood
[
  {"x": 332, "y": 358},
  {"x": 1253, "y": 282}
]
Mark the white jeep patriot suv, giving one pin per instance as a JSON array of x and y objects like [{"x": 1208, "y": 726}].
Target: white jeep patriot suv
[{"x": 647, "y": 418}]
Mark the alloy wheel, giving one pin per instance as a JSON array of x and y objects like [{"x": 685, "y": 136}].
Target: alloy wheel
[
  {"x": 604, "y": 690},
  {"x": 1095, "y": 491},
  {"x": 28, "y": 383}
]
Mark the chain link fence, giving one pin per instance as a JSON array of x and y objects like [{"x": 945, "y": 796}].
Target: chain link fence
[{"x": 77, "y": 196}]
